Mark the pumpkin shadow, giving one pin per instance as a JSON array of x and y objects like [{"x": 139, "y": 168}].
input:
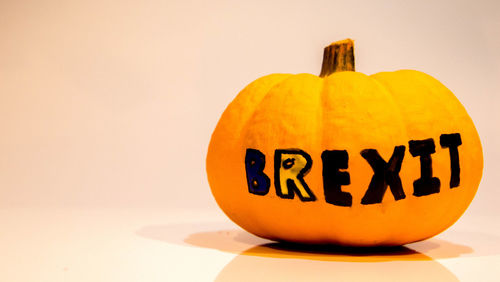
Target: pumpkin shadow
[
  {"x": 261, "y": 259},
  {"x": 233, "y": 241},
  {"x": 278, "y": 261},
  {"x": 264, "y": 260},
  {"x": 282, "y": 262}
]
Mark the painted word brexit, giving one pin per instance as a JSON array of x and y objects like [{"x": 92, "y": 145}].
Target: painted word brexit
[{"x": 290, "y": 167}]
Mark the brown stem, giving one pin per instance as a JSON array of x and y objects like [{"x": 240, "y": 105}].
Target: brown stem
[{"x": 338, "y": 56}]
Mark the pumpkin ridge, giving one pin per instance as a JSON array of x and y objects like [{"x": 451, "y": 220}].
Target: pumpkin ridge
[
  {"x": 245, "y": 142},
  {"x": 408, "y": 123},
  {"x": 432, "y": 83},
  {"x": 438, "y": 219},
  {"x": 251, "y": 117},
  {"x": 443, "y": 103},
  {"x": 256, "y": 227},
  {"x": 396, "y": 108},
  {"x": 213, "y": 164},
  {"x": 290, "y": 77},
  {"x": 235, "y": 103},
  {"x": 261, "y": 99}
]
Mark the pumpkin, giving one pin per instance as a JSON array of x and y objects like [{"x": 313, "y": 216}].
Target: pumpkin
[{"x": 345, "y": 158}]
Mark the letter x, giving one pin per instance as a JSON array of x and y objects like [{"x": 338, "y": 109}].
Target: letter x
[{"x": 385, "y": 174}]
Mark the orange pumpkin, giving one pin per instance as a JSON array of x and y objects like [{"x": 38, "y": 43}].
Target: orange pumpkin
[{"x": 345, "y": 158}]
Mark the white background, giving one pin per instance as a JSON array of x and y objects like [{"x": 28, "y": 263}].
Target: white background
[{"x": 111, "y": 104}]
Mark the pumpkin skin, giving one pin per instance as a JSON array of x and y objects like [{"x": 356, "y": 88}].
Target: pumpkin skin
[{"x": 350, "y": 111}]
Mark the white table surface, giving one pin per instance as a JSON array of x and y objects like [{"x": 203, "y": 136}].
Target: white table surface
[{"x": 50, "y": 244}]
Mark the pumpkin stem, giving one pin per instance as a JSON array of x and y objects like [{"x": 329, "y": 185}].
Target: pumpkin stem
[{"x": 338, "y": 56}]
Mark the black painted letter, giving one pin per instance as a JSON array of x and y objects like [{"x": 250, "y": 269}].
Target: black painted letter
[
  {"x": 384, "y": 174},
  {"x": 290, "y": 167},
  {"x": 452, "y": 141},
  {"x": 258, "y": 182},
  {"x": 426, "y": 184},
  {"x": 333, "y": 178}
]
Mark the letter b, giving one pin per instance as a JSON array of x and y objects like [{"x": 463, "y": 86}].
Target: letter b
[{"x": 258, "y": 182}]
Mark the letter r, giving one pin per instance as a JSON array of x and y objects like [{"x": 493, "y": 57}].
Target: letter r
[{"x": 290, "y": 167}]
